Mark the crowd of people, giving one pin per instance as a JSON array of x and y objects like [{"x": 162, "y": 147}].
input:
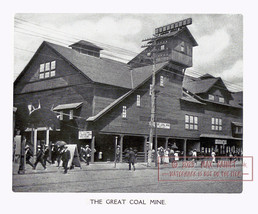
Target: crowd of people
[
  {"x": 169, "y": 155},
  {"x": 61, "y": 152},
  {"x": 58, "y": 153}
]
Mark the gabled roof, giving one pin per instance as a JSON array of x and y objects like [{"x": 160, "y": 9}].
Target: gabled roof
[
  {"x": 100, "y": 70},
  {"x": 199, "y": 86},
  {"x": 143, "y": 76},
  {"x": 206, "y": 76},
  {"x": 178, "y": 32}
]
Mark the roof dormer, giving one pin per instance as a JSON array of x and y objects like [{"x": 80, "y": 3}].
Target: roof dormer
[{"x": 86, "y": 47}]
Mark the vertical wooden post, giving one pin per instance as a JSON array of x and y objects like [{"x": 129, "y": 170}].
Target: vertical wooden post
[
  {"x": 35, "y": 144},
  {"x": 166, "y": 143},
  {"x": 145, "y": 148},
  {"x": 185, "y": 142},
  {"x": 115, "y": 150},
  {"x": 121, "y": 148},
  {"x": 92, "y": 149},
  {"x": 47, "y": 137}
]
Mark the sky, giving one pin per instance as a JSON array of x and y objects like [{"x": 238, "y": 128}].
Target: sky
[{"x": 219, "y": 37}]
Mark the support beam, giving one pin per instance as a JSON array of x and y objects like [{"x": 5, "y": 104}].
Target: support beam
[
  {"x": 35, "y": 144},
  {"x": 185, "y": 145},
  {"x": 47, "y": 137},
  {"x": 92, "y": 149},
  {"x": 145, "y": 148},
  {"x": 166, "y": 143},
  {"x": 121, "y": 148}
]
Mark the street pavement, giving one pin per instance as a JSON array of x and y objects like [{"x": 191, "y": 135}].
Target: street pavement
[{"x": 103, "y": 177}]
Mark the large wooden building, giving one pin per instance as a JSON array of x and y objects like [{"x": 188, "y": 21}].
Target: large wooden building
[{"x": 97, "y": 101}]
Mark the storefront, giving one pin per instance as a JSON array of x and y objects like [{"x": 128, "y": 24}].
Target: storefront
[{"x": 223, "y": 145}]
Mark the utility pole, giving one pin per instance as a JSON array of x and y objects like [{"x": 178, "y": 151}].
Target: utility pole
[
  {"x": 152, "y": 89},
  {"x": 115, "y": 150},
  {"x": 160, "y": 33},
  {"x": 156, "y": 137}
]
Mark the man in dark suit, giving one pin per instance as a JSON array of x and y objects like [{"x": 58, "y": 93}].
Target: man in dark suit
[
  {"x": 28, "y": 154},
  {"x": 131, "y": 158},
  {"x": 40, "y": 159},
  {"x": 66, "y": 155}
]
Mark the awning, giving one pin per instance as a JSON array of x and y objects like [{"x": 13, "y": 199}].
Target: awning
[
  {"x": 228, "y": 137},
  {"x": 40, "y": 118},
  {"x": 67, "y": 106},
  {"x": 237, "y": 124}
]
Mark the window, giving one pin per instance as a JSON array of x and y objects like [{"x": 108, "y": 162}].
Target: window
[
  {"x": 52, "y": 73},
  {"x": 239, "y": 130},
  {"x": 161, "y": 81},
  {"x": 71, "y": 114},
  {"x": 138, "y": 101},
  {"x": 162, "y": 47},
  {"x": 124, "y": 112},
  {"x": 150, "y": 89},
  {"x": 191, "y": 122},
  {"x": 53, "y": 65},
  {"x": 221, "y": 99},
  {"x": 216, "y": 124},
  {"x": 61, "y": 115},
  {"x": 46, "y": 74},
  {"x": 182, "y": 47},
  {"x": 41, "y": 76},
  {"x": 211, "y": 97},
  {"x": 47, "y": 67},
  {"x": 47, "y": 70},
  {"x": 42, "y": 68}
]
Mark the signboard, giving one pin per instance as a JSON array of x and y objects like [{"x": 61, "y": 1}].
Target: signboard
[
  {"x": 85, "y": 135},
  {"x": 172, "y": 26},
  {"x": 162, "y": 125},
  {"x": 220, "y": 142}
]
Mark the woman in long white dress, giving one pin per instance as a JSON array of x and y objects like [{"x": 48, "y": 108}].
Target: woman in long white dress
[{"x": 166, "y": 158}]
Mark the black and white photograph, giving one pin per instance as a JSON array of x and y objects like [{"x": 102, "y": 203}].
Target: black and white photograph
[
  {"x": 119, "y": 103},
  {"x": 133, "y": 106}
]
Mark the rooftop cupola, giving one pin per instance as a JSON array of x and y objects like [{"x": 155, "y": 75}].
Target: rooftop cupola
[{"x": 86, "y": 47}]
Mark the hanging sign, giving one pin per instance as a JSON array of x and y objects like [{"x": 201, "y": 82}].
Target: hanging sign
[
  {"x": 161, "y": 125},
  {"x": 220, "y": 142},
  {"x": 85, "y": 135}
]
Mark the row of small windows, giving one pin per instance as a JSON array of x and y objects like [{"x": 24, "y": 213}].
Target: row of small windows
[
  {"x": 216, "y": 124},
  {"x": 212, "y": 97},
  {"x": 47, "y": 70},
  {"x": 61, "y": 115},
  {"x": 191, "y": 123}
]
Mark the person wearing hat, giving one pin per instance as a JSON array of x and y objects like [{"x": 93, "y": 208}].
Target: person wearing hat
[
  {"x": 39, "y": 158},
  {"x": 131, "y": 158},
  {"x": 46, "y": 155},
  {"x": 53, "y": 153},
  {"x": 194, "y": 155},
  {"x": 66, "y": 155},
  {"x": 28, "y": 154},
  {"x": 88, "y": 154}
]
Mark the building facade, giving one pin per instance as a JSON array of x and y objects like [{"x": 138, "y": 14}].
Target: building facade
[{"x": 102, "y": 102}]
